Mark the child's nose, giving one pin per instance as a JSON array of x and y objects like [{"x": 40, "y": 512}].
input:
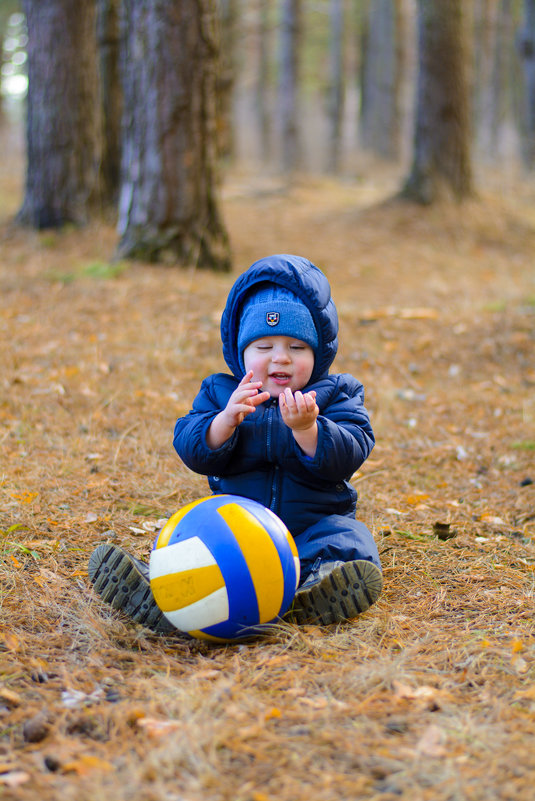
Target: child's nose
[{"x": 281, "y": 355}]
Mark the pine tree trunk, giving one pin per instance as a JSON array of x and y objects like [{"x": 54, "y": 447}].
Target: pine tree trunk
[
  {"x": 336, "y": 88},
  {"x": 111, "y": 97},
  {"x": 167, "y": 208},
  {"x": 288, "y": 84},
  {"x": 527, "y": 53},
  {"x": 383, "y": 73},
  {"x": 262, "y": 88},
  {"x": 229, "y": 13},
  {"x": 63, "y": 130},
  {"x": 485, "y": 48},
  {"x": 441, "y": 158}
]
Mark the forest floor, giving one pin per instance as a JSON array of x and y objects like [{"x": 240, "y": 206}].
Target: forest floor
[{"x": 428, "y": 695}]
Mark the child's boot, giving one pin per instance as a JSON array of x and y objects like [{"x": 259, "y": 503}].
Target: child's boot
[
  {"x": 337, "y": 591},
  {"x": 123, "y": 581}
]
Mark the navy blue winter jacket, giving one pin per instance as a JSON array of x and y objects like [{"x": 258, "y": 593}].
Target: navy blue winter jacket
[{"x": 261, "y": 460}]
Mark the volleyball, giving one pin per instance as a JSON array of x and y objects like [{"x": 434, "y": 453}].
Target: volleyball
[{"x": 224, "y": 567}]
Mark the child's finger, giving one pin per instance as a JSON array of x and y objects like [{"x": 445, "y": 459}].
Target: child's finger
[
  {"x": 246, "y": 378},
  {"x": 305, "y": 403},
  {"x": 244, "y": 392},
  {"x": 246, "y": 407},
  {"x": 259, "y": 398},
  {"x": 283, "y": 405},
  {"x": 289, "y": 398},
  {"x": 310, "y": 400},
  {"x": 300, "y": 402}
]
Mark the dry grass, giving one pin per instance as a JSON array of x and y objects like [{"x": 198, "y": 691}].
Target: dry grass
[{"x": 429, "y": 695}]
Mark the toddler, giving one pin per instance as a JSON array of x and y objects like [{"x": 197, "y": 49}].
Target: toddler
[{"x": 283, "y": 431}]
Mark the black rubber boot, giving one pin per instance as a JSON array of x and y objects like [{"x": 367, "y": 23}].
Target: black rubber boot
[
  {"x": 123, "y": 581},
  {"x": 338, "y": 591}
]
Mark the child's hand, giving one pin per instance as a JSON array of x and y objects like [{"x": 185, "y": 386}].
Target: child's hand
[
  {"x": 244, "y": 400},
  {"x": 299, "y": 411}
]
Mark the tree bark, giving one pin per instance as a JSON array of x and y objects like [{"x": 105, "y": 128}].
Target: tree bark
[
  {"x": 63, "y": 130},
  {"x": 289, "y": 83},
  {"x": 383, "y": 72},
  {"x": 262, "y": 86},
  {"x": 527, "y": 54},
  {"x": 441, "y": 154},
  {"x": 168, "y": 209},
  {"x": 336, "y": 88},
  {"x": 229, "y": 13},
  {"x": 111, "y": 97}
]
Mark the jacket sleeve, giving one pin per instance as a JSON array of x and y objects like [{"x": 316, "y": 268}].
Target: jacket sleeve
[
  {"x": 345, "y": 435},
  {"x": 190, "y": 433}
]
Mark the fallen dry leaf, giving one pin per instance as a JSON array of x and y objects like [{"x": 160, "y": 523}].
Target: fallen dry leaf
[
  {"x": 10, "y": 697},
  {"x": 86, "y": 765},
  {"x": 157, "y": 728},
  {"x": 431, "y": 743},
  {"x": 528, "y": 694}
]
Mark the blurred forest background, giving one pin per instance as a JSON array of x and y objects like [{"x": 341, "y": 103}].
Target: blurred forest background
[{"x": 137, "y": 109}]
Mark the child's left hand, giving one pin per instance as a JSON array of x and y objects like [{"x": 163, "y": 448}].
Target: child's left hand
[{"x": 300, "y": 410}]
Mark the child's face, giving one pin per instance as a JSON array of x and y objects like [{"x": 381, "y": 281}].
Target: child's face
[{"x": 279, "y": 362}]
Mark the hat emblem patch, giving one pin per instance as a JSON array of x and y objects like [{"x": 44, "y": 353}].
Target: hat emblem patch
[{"x": 272, "y": 318}]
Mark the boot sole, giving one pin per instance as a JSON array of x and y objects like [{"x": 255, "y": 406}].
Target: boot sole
[
  {"x": 117, "y": 579},
  {"x": 346, "y": 592}
]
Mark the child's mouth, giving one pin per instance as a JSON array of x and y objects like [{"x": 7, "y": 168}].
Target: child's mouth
[{"x": 280, "y": 378}]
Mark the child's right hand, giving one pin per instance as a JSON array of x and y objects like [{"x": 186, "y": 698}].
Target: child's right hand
[{"x": 244, "y": 400}]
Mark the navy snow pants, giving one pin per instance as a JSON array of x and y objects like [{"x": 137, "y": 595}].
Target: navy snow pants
[{"x": 332, "y": 539}]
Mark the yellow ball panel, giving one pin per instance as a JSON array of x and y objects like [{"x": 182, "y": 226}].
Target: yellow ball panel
[
  {"x": 293, "y": 546},
  {"x": 258, "y": 551},
  {"x": 177, "y": 590}
]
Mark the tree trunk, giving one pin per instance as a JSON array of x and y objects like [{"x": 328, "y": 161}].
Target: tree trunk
[
  {"x": 527, "y": 53},
  {"x": 505, "y": 119},
  {"x": 441, "y": 158},
  {"x": 229, "y": 13},
  {"x": 485, "y": 102},
  {"x": 288, "y": 84},
  {"x": 382, "y": 85},
  {"x": 336, "y": 88},
  {"x": 111, "y": 97},
  {"x": 63, "y": 131},
  {"x": 167, "y": 206},
  {"x": 262, "y": 88}
]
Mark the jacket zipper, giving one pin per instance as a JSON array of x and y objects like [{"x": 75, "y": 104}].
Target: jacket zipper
[{"x": 274, "y": 502}]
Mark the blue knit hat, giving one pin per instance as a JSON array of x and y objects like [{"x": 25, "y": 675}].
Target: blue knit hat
[{"x": 272, "y": 310}]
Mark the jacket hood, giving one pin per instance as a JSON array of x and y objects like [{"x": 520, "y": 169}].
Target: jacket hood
[{"x": 306, "y": 281}]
